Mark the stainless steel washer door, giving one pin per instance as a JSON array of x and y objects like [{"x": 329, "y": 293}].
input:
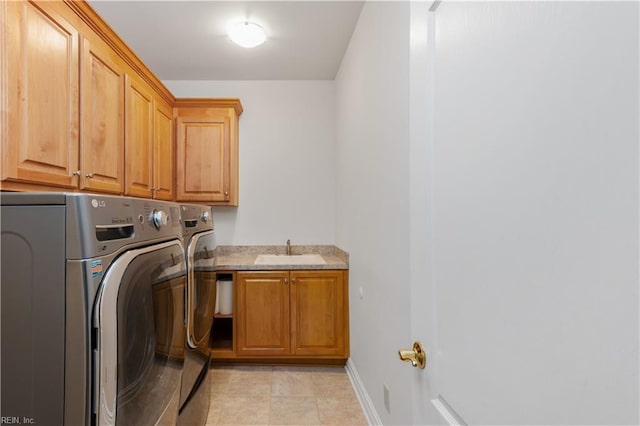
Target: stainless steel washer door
[{"x": 139, "y": 316}]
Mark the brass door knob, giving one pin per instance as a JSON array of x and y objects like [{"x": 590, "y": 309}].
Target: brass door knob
[{"x": 416, "y": 356}]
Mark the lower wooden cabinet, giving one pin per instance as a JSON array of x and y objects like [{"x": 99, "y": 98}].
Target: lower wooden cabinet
[
  {"x": 318, "y": 313},
  {"x": 262, "y": 314},
  {"x": 292, "y": 314}
]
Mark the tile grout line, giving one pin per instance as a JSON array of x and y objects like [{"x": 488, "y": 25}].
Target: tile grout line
[
  {"x": 270, "y": 400},
  {"x": 276, "y": 379}
]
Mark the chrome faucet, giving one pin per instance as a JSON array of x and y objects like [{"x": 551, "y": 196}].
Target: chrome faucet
[{"x": 288, "y": 247}]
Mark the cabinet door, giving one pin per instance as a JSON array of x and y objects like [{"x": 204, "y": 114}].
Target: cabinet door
[
  {"x": 139, "y": 138},
  {"x": 40, "y": 94},
  {"x": 262, "y": 312},
  {"x": 162, "y": 150},
  {"x": 318, "y": 313},
  {"x": 102, "y": 111},
  {"x": 203, "y": 158}
]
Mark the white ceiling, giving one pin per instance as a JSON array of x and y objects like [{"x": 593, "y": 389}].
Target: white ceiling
[{"x": 186, "y": 40}]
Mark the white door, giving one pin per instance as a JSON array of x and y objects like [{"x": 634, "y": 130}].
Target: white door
[{"x": 530, "y": 265}]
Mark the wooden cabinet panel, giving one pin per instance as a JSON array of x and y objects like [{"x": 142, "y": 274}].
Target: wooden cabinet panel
[
  {"x": 162, "y": 150},
  {"x": 317, "y": 313},
  {"x": 203, "y": 158},
  {"x": 207, "y": 150},
  {"x": 148, "y": 143},
  {"x": 262, "y": 312},
  {"x": 138, "y": 139},
  {"x": 292, "y": 314},
  {"x": 102, "y": 110},
  {"x": 40, "y": 141}
]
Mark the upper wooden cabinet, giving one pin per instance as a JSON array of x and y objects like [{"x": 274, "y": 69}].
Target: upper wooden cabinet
[
  {"x": 77, "y": 105},
  {"x": 207, "y": 150},
  {"x": 81, "y": 112},
  {"x": 163, "y": 158},
  {"x": 102, "y": 107},
  {"x": 148, "y": 143},
  {"x": 139, "y": 138},
  {"x": 40, "y": 125}
]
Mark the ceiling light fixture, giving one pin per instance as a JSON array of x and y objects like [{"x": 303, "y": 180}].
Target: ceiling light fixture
[{"x": 247, "y": 34}]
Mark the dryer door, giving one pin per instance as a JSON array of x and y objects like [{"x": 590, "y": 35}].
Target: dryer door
[
  {"x": 201, "y": 300},
  {"x": 201, "y": 291},
  {"x": 139, "y": 315}
]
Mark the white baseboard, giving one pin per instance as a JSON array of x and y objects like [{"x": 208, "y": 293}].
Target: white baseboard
[
  {"x": 362, "y": 394},
  {"x": 447, "y": 412}
]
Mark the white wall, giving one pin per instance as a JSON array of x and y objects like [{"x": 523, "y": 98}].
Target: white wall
[
  {"x": 372, "y": 222},
  {"x": 287, "y": 160}
]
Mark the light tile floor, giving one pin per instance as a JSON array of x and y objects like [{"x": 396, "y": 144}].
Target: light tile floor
[{"x": 283, "y": 396}]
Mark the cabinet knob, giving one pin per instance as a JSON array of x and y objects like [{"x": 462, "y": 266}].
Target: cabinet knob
[
  {"x": 286, "y": 280},
  {"x": 76, "y": 173},
  {"x": 89, "y": 175},
  {"x": 226, "y": 193},
  {"x": 293, "y": 280}
]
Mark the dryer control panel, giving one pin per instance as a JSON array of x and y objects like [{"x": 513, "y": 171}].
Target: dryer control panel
[
  {"x": 101, "y": 224},
  {"x": 195, "y": 218}
]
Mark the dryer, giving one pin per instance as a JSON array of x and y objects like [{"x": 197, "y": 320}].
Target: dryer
[
  {"x": 199, "y": 242},
  {"x": 92, "y": 291}
]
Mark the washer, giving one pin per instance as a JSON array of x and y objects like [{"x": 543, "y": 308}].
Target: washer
[
  {"x": 199, "y": 242},
  {"x": 92, "y": 309}
]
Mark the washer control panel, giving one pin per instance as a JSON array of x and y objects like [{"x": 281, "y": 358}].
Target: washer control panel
[{"x": 159, "y": 218}]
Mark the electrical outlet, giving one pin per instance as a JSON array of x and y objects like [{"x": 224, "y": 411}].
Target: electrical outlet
[{"x": 387, "y": 405}]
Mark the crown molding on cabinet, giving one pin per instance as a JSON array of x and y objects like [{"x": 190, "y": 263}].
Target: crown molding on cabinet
[
  {"x": 109, "y": 36},
  {"x": 209, "y": 103}
]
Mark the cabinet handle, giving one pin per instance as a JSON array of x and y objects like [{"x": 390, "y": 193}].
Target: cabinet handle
[
  {"x": 89, "y": 175},
  {"x": 416, "y": 356},
  {"x": 76, "y": 173},
  {"x": 286, "y": 281},
  {"x": 293, "y": 280},
  {"x": 226, "y": 193}
]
